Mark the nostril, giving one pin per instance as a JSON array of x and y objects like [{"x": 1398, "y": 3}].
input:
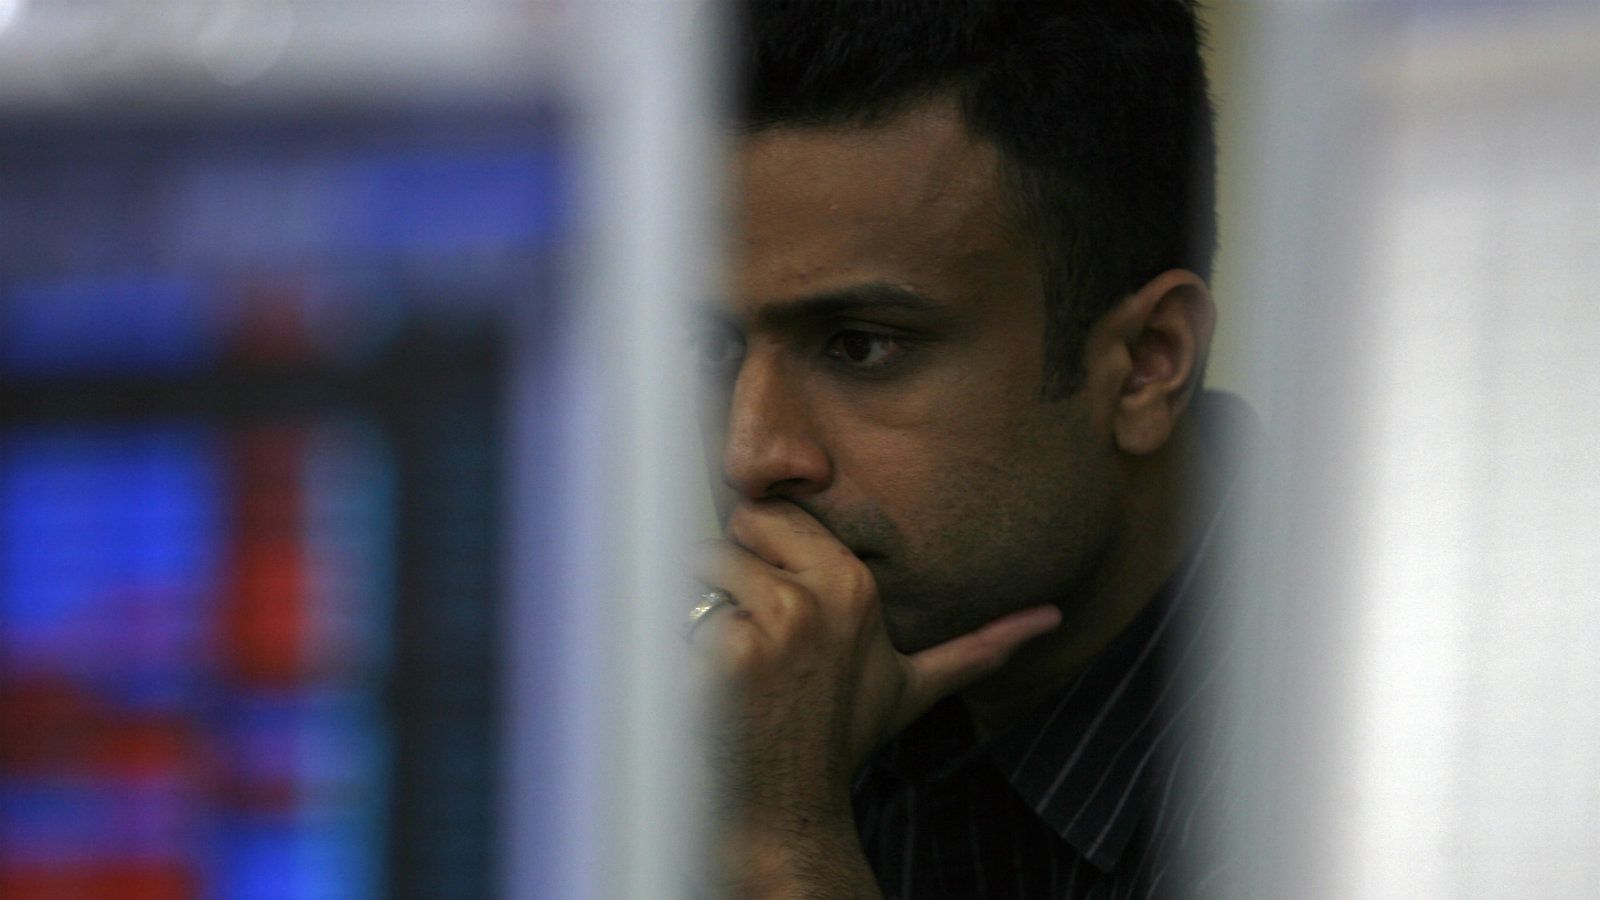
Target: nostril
[{"x": 791, "y": 489}]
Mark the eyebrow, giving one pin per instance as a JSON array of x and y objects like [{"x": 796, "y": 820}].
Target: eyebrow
[{"x": 875, "y": 295}]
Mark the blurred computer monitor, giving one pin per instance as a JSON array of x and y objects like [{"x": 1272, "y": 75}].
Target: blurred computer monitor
[{"x": 262, "y": 268}]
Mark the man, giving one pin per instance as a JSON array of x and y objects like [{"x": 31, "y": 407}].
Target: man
[{"x": 958, "y": 375}]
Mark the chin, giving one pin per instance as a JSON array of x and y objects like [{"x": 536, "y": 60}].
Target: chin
[
  {"x": 907, "y": 630},
  {"x": 912, "y": 628},
  {"x": 910, "y": 640},
  {"x": 917, "y": 613}
]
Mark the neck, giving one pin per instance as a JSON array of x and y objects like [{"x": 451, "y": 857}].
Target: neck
[{"x": 1151, "y": 542}]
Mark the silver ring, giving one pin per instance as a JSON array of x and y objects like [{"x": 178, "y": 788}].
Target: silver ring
[{"x": 708, "y": 601}]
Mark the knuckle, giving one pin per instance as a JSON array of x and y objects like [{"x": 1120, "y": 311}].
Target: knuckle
[
  {"x": 739, "y": 653},
  {"x": 789, "y": 601},
  {"x": 856, "y": 586}
]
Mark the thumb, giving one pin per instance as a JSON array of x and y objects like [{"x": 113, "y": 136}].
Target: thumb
[{"x": 948, "y": 667}]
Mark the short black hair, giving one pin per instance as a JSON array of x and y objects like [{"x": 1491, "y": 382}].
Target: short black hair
[{"x": 1099, "y": 109}]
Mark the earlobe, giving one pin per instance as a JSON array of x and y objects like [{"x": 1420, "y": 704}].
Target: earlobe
[{"x": 1166, "y": 326}]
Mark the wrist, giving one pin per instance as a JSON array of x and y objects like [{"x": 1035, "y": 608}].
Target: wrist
[{"x": 793, "y": 857}]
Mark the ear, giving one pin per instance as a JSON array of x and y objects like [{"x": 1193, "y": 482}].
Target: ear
[{"x": 1164, "y": 330}]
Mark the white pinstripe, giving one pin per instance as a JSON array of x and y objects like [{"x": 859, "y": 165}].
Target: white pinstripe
[{"x": 1179, "y": 595}]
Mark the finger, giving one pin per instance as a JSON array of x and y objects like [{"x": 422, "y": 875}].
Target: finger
[
  {"x": 755, "y": 585},
  {"x": 787, "y": 536},
  {"x": 725, "y": 565},
  {"x": 948, "y": 667},
  {"x": 712, "y": 603}
]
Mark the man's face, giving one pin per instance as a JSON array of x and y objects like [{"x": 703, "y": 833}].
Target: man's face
[{"x": 881, "y": 362}]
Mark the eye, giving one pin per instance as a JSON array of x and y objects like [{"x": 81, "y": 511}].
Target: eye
[
  {"x": 717, "y": 347},
  {"x": 865, "y": 349}
]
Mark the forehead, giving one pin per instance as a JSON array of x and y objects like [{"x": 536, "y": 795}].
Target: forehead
[{"x": 914, "y": 201}]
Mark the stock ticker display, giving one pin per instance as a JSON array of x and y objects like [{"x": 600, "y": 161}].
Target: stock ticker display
[{"x": 249, "y": 472}]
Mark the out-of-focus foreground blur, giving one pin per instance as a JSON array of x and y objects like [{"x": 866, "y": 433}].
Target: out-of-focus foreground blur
[
  {"x": 1412, "y": 229},
  {"x": 344, "y": 436}
]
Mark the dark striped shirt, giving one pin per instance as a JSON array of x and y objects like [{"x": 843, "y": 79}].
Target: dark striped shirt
[{"x": 1103, "y": 791}]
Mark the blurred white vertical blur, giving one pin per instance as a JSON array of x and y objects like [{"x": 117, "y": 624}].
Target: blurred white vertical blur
[
  {"x": 644, "y": 74},
  {"x": 1477, "y": 654},
  {"x": 1432, "y": 372}
]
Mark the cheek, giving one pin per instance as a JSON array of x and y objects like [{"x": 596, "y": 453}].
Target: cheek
[
  {"x": 953, "y": 452},
  {"x": 938, "y": 477},
  {"x": 992, "y": 464},
  {"x": 961, "y": 414}
]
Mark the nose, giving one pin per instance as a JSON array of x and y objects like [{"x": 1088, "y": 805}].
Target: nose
[{"x": 772, "y": 447}]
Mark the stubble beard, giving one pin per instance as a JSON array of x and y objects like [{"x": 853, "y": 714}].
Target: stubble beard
[{"x": 973, "y": 573}]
